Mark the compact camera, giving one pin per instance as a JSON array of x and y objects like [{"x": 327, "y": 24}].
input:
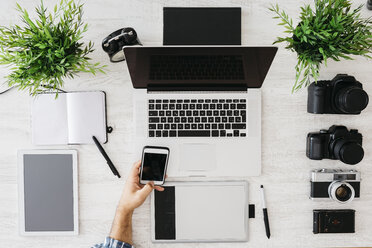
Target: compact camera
[
  {"x": 335, "y": 143},
  {"x": 333, "y": 221},
  {"x": 339, "y": 185},
  {"x": 341, "y": 95}
]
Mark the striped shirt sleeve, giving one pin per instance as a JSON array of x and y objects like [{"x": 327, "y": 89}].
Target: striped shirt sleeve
[{"x": 112, "y": 243}]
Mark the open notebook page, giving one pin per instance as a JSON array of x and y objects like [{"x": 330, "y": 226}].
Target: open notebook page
[
  {"x": 49, "y": 120},
  {"x": 86, "y": 117}
]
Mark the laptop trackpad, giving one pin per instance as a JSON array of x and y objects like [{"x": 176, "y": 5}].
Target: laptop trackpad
[{"x": 197, "y": 157}]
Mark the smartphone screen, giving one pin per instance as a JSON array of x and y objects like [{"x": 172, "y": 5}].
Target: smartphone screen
[{"x": 154, "y": 164}]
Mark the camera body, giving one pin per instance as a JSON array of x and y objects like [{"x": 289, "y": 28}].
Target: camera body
[
  {"x": 339, "y": 185},
  {"x": 335, "y": 143},
  {"x": 333, "y": 221},
  {"x": 341, "y": 95}
]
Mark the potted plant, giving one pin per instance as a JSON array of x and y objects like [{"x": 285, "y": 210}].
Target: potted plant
[
  {"x": 48, "y": 49},
  {"x": 332, "y": 30}
]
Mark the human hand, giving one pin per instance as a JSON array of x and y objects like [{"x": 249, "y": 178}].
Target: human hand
[{"x": 134, "y": 193}]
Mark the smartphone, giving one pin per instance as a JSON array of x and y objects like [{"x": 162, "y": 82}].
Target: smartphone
[{"x": 154, "y": 164}]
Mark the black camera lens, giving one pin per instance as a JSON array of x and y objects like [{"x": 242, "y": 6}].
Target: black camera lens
[
  {"x": 348, "y": 152},
  {"x": 343, "y": 193},
  {"x": 352, "y": 100}
]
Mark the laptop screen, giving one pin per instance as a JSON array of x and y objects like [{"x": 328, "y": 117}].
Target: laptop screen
[{"x": 199, "y": 68}]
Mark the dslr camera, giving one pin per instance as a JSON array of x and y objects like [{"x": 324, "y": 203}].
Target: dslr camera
[
  {"x": 339, "y": 185},
  {"x": 341, "y": 95},
  {"x": 335, "y": 143}
]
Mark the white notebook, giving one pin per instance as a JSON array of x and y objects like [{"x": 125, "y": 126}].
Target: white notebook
[{"x": 72, "y": 118}]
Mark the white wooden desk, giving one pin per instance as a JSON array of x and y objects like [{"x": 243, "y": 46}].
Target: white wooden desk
[{"x": 285, "y": 168}]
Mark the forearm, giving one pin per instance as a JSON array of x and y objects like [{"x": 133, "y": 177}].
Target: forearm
[{"x": 122, "y": 226}]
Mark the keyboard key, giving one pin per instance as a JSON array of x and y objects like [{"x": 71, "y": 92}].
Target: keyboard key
[
  {"x": 178, "y": 106},
  {"x": 192, "y": 106},
  {"x": 151, "y": 100},
  {"x": 186, "y": 101},
  {"x": 221, "y": 100},
  {"x": 215, "y": 112},
  {"x": 204, "y": 119},
  {"x": 222, "y": 113},
  {"x": 180, "y": 126},
  {"x": 173, "y": 126},
  {"x": 172, "y": 101},
  {"x": 177, "y": 119},
  {"x": 210, "y": 119},
  {"x": 215, "y": 133},
  {"x": 153, "y": 113},
  {"x": 165, "y": 133},
  {"x": 242, "y": 100},
  {"x": 207, "y": 100},
  {"x": 182, "y": 113},
  {"x": 197, "y": 119},
  {"x": 195, "y": 113},
  {"x": 231, "y": 119},
  {"x": 243, "y": 134},
  {"x": 217, "y": 119},
  {"x": 194, "y": 133},
  {"x": 175, "y": 113},
  {"x": 238, "y": 119},
  {"x": 241, "y": 106},
  {"x": 200, "y": 126},
  {"x": 165, "y": 106},
  {"x": 183, "y": 119},
  {"x": 151, "y": 133},
  {"x": 158, "y": 101},
  {"x": 166, "y": 126},
  {"x": 185, "y": 106},
  {"x": 165, "y": 101},
  {"x": 163, "y": 120},
  {"x": 158, "y": 106},
  {"x": 170, "y": 119},
  {"x": 214, "y": 126},
  {"x": 152, "y": 126},
  {"x": 154, "y": 119},
  {"x": 221, "y": 126},
  {"x": 229, "y": 113},
  {"x": 172, "y": 133},
  {"x": 179, "y": 100},
  {"x": 227, "y": 126},
  {"x": 224, "y": 119},
  {"x": 236, "y": 133},
  {"x": 158, "y": 133},
  {"x": 228, "y": 100},
  {"x": 187, "y": 126},
  {"x": 233, "y": 106},
  {"x": 189, "y": 113},
  {"x": 193, "y": 100},
  {"x": 219, "y": 106},
  {"x": 236, "y": 100},
  {"x": 207, "y": 126},
  {"x": 236, "y": 112},
  {"x": 193, "y": 126},
  {"x": 151, "y": 106},
  {"x": 212, "y": 106},
  {"x": 161, "y": 113},
  {"x": 214, "y": 100},
  {"x": 202, "y": 112},
  {"x": 200, "y": 100},
  {"x": 198, "y": 106},
  {"x": 190, "y": 119},
  {"x": 209, "y": 113},
  {"x": 160, "y": 126},
  {"x": 229, "y": 135},
  {"x": 222, "y": 133},
  {"x": 226, "y": 106},
  {"x": 205, "y": 106},
  {"x": 238, "y": 126},
  {"x": 168, "y": 113}
]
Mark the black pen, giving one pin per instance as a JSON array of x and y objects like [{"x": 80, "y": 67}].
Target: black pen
[
  {"x": 108, "y": 160},
  {"x": 266, "y": 218}
]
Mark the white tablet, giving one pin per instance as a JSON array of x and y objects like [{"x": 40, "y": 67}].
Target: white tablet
[{"x": 48, "y": 192}]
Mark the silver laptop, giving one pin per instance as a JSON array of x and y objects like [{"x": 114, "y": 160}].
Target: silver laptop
[{"x": 202, "y": 102}]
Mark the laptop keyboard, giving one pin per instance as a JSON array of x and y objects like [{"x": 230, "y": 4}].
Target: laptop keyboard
[
  {"x": 197, "y": 117},
  {"x": 200, "y": 67}
]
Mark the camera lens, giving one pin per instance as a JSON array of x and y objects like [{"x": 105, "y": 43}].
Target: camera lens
[
  {"x": 341, "y": 192},
  {"x": 348, "y": 152},
  {"x": 352, "y": 100}
]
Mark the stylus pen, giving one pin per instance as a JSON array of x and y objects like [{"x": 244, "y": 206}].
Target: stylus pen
[
  {"x": 266, "y": 218},
  {"x": 108, "y": 160}
]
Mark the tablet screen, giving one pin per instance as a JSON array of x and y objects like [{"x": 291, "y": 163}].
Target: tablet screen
[{"x": 48, "y": 192}]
